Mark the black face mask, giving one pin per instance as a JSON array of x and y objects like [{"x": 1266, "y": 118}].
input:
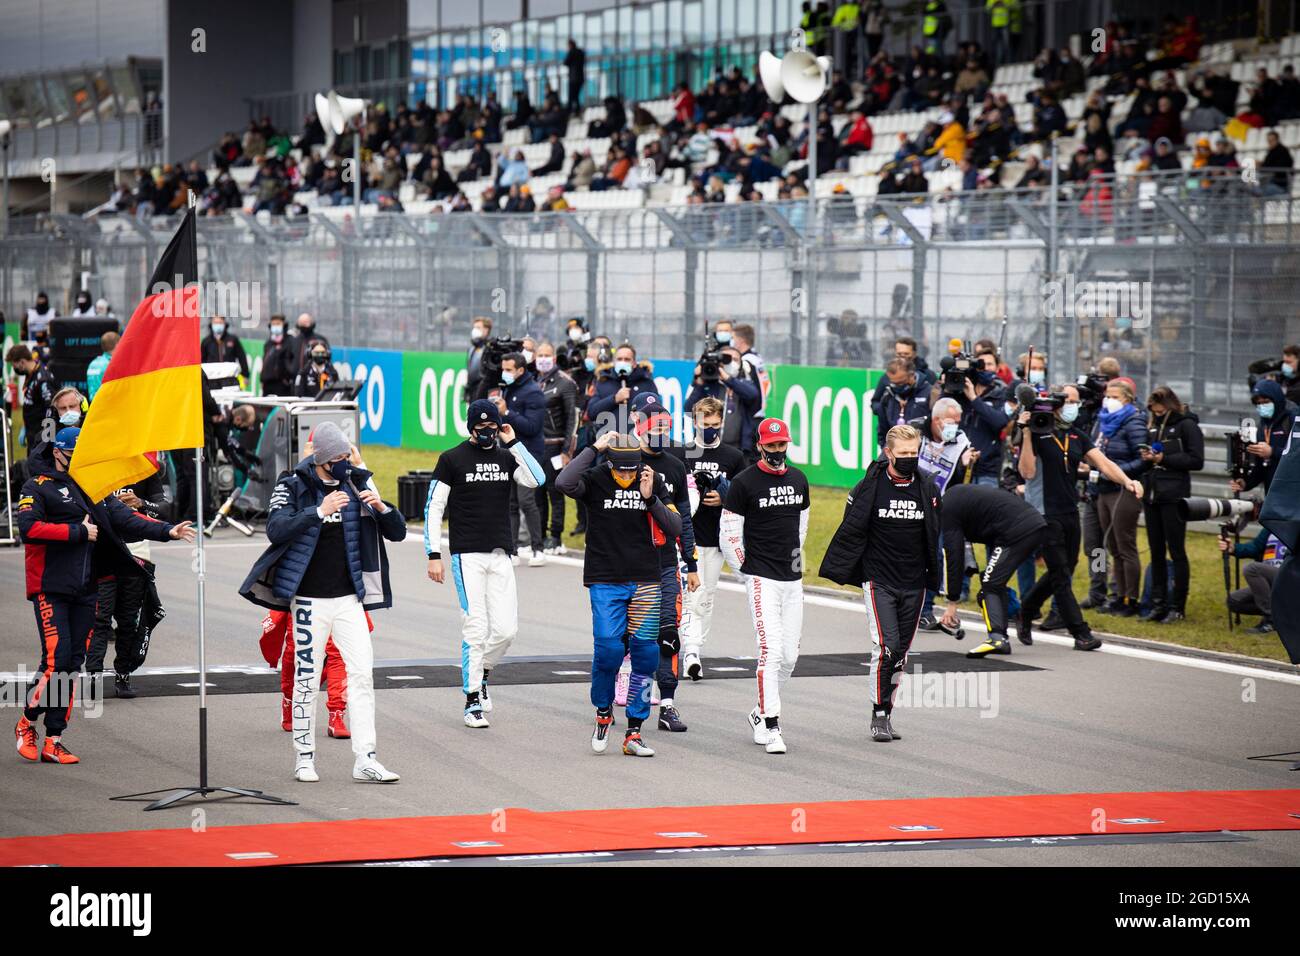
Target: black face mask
[
  {"x": 906, "y": 467},
  {"x": 485, "y": 438},
  {"x": 305, "y": 330},
  {"x": 340, "y": 470},
  {"x": 775, "y": 459}
]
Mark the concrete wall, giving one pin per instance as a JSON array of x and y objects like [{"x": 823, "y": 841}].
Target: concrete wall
[
  {"x": 313, "y": 56},
  {"x": 249, "y": 50}
]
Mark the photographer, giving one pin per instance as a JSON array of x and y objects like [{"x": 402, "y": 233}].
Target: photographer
[
  {"x": 727, "y": 382},
  {"x": 1120, "y": 431},
  {"x": 984, "y": 416},
  {"x": 1053, "y": 445},
  {"x": 1276, "y": 415},
  {"x": 1286, "y": 372},
  {"x": 1267, "y": 554},
  {"x": 570, "y": 354},
  {"x": 560, "y": 430},
  {"x": 1174, "y": 448},
  {"x": 522, "y": 406},
  {"x": 900, "y": 398},
  {"x": 615, "y": 386}
]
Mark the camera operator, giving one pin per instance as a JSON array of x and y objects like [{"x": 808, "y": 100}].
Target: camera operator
[
  {"x": 984, "y": 416},
  {"x": 478, "y": 336},
  {"x": 900, "y": 398},
  {"x": 1276, "y": 415},
  {"x": 570, "y": 355},
  {"x": 318, "y": 374},
  {"x": 1061, "y": 450},
  {"x": 1032, "y": 371},
  {"x": 1286, "y": 372},
  {"x": 278, "y": 360},
  {"x": 727, "y": 382},
  {"x": 522, "y": 406},
  {"x": 1174, "y": 448},
  {"x": 1266, "y": 555},
  {"x": 560, "y": 431},
  {"x": 608, "y": 409},
  {"x": 1119, "y": 432}
]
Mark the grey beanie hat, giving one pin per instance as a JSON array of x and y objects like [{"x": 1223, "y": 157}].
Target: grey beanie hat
[{"x": 327, "y": 442}]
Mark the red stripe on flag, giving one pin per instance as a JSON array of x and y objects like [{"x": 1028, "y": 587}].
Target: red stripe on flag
[{"x": 163, "y": 333}]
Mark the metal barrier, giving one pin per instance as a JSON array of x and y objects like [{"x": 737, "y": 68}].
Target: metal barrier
[{"x": 1185, "y": 284}]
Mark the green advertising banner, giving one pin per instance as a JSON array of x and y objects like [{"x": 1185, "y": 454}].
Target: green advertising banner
[
  {"x": 433, "y": 415},
  {"x": 829, "y": 414},
  {"x": 253, "y": 349}
]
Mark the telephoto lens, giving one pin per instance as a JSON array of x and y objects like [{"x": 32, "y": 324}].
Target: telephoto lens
[{"x": 1206, "y": 509}]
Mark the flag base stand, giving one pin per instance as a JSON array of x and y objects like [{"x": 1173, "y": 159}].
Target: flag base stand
[
  {"x": 1279, "y": 758},
  {"x": 184, "y": 793}
]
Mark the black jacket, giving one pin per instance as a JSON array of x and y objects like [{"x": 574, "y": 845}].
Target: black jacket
[
  {"x": 843, "y": 561},
  {"x": 984, "y": 515},
  {"x": 279, "y": 366},
  {"x": 983, "y": 420},
  {"x": 1184, "y": 453},
  {"x": 228, "y": 348},
  {"x": 38, "y": 394},
  {"x": 60, "y": 557},
  {"x": 561, "y": 422}
]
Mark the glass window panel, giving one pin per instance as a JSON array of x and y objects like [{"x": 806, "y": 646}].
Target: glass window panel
[
  {"x": 16, "y": 102},
  {"x": 727, "y": 20},
  {"x": 658, "y": 24},
  {"x": 641, "y": 30},
  {"x": 676, "y": 33},
  {"x": 624, "y": 28},
  {"x": 56, "y": 96},
  {"x": 694, "y": 23},
  {"x": 547, "y": 42},
  {"x": 595, "y": 35},
  {"x": 105, "y": 104},
  {"x": 747, "y": 19},
  {"x": 81, "y": 93},
  {"x": 127, "y": 89},
  {"x": 37, "y": 107}
]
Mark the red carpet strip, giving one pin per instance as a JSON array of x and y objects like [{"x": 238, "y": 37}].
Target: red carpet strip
[{"x": 521, "y": 831}]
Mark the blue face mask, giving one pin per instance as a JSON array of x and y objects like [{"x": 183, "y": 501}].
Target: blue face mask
[
  {"x": 218, "y": 329},
  {"x": 722, "y": 337},
  {"x": 69, "y": 418},
  {"x": 340, "y": 470},
  {"x": 1037, "y": 376},
  {"x": 709, "y": 435},
  {"x": 590, "y": 364},
  {"x": 622, "y": 368},
  {"x": 1123, "y": 324},
  {"x": 1288, "y": 370},
  {"x": 1069, "y": 412},
  {"x": 1009, "y": 408},
  {"x": 950, "y": 431},
  {"x": 507, "y": 378},
  {"x": 984, "y": 378},
  {"x": 1265, "y": 409}
]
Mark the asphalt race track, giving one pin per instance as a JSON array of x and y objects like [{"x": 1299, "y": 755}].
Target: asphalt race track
[{"x": 1047, "y": 720}]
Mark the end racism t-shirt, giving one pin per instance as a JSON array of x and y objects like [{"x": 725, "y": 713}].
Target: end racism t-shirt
[
  {"x": 479, "y": 502},
  {"x": 770, "y": 505},
  {"x": 620, "y": 548}
]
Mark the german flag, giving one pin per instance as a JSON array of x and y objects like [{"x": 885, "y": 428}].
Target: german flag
[{"x": 152, "y": 394}]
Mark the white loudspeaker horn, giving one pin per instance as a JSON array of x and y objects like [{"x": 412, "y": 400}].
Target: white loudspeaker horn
[
  {"x": 769, "y": 71},
  {"x": 804, "y": 75},
  {"x": 335, "y": 111}
]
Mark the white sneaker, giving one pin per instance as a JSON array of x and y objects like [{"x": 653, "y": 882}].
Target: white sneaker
[
  {"x": 758, "y": 726},
  {"x": 559, "y": 549},
  {"x": 775, "y": 742},
  {"x": 304, "y": 769},
  {"x": 475, "y": 719},
  {"x": 369, "y": 770},
  {"x": 485, "y": 701},
  {"x": 537, "y": 560},
  {"x": 691, "y": 665}
]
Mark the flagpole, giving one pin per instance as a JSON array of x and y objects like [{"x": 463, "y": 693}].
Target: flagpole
[{"x": 176, "y": 795}]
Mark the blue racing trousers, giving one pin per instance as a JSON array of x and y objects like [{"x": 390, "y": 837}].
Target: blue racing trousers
[{"x": 624, "y": 620}]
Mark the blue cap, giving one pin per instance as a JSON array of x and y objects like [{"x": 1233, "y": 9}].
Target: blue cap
[
  {"x": 647, "y": 403},
  {"x": 480, "y": 412},
  {"x": 66, "y": 438}
]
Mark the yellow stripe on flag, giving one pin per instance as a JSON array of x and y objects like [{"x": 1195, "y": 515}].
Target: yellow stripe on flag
[
  {"x": 162, "y": 409},
  {"x": 1236, "y": 129}
]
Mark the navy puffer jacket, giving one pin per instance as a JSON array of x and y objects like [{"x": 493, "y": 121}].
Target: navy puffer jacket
[
  {"x": 1122, "y": 449},
  {"x": 293, "y": 527}
]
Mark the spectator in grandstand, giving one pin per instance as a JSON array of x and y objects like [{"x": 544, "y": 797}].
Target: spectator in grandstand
[
  {"x": 1166, "y": 123},
  {"x": 575, "y": 62},
  {"x": 874, "y": 19},
  {"x": 914, "y": 180},
  {"x": 617, "y": 166},
  {"x": 222, "y": 345},
  {"x": 1034, "y": 176},
  {"x": 478, "y": 166},
  {"x": 554, "y": 160},
  {"x": 857, "y": 136},
  {"x": 1049, "y": 118},
  {"x": 1288, "y": 106},
  {"x": 1278, "y": 163},
  {"x": 1165, "y": 158},
  {"x": 949, "y": 146},
  {"x": 972, "y": 80}
]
